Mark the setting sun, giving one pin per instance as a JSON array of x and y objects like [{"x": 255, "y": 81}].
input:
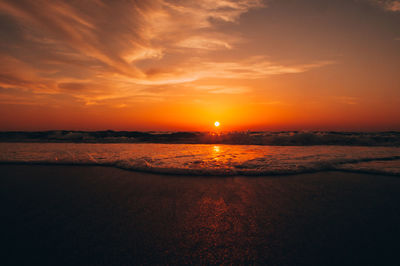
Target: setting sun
[{"x": 216, "y": 124}]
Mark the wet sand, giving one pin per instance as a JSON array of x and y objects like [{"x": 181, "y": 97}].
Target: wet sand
[{"x": 79, "y": 215}]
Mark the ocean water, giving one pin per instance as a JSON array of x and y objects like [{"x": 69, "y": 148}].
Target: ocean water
[
  {"x": 283, "y": 138},
  {"x": 209, "y": 159}
]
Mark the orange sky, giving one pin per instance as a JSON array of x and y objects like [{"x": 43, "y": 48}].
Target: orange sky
[{"x": 181, "y": 65}]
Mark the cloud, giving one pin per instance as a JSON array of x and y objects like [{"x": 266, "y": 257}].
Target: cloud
[
  {"x": 253, "y": 68},
  {"x": 393, "y": 6},
  {"x": 113, "y": 35},
  {"x": 198, "y": 42},
  {"x": 202, "y": 12},
  {"x": 223, "y": 89},
  {"x": 389, "y": 5},
  {"x": 144, "y": 53},
  {"x": 103, "y": 51},
  {"x": 78, "y": 30}
]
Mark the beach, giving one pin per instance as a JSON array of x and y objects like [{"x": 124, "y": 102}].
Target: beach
[{"x": 94, "y": 215}]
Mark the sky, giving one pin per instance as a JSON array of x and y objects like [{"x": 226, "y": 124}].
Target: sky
[{"x": 184, "y": 64}]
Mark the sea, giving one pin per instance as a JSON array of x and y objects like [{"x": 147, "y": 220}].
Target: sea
[{"x": 216, "y": 159}]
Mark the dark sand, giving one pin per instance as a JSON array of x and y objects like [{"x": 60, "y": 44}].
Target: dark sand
[{"x": 76, "y": 215}]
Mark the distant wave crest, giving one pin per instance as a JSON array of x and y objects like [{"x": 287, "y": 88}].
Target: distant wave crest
[{"x": 287, "y": 138}]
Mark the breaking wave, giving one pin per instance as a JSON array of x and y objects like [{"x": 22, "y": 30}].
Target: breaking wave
[{"x": 213, "y": 160}]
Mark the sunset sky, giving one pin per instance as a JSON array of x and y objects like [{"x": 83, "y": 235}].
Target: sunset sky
[{"x": 184, "y": 64}]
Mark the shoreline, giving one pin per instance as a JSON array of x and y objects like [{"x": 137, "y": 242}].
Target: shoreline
[
  {"x": 96, "y": 215},
  {"x": 185, "y": 173}
]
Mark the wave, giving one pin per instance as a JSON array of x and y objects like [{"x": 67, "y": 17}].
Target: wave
[
  {"x": 216, "y": 160},
  {"x": 247, "y": 168},
  {"x": 287, "y": 138}
]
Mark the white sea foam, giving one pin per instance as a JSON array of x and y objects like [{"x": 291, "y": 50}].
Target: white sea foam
[{"x": 199, "y": 159}]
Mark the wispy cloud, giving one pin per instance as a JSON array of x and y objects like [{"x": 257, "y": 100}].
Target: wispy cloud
[
  {"x": 199, "y": 42},
  {"x": 97, "y": 51},
  {"x": 393, "y": 6},
  {"x": 389, "y": 5},
  {"x": 253, "y": 68},
  {"x": 201, "y": 12},
  {"x": 223, "y": 89}
]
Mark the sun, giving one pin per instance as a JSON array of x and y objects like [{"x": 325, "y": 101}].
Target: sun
[{"x": 216, "y": 124}]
